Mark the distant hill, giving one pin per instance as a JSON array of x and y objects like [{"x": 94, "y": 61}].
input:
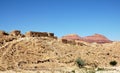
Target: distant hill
[{"x": 98, "y": 38}]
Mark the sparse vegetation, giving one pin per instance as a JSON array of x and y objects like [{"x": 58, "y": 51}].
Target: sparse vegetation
[
  {"x": 91, "y": 71},
  {"x": 73, "y": 71},
  {"x": 100, "y": 69},
  {"x": 51, "y": 55},
  {"x": 113, "y": 63},
  {"x": 80, "y": 63}
]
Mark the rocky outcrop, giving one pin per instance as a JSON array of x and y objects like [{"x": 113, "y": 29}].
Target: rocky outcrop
[
  {"x": 15, "y": 33},
  {"x": 2, "y": 33},
  {"x": 98, "y": 38}
]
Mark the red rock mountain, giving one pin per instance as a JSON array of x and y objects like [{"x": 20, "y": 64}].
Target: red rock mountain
[
  {"x": 98, "y": 38},
  {"x": 72, "y": 37}
]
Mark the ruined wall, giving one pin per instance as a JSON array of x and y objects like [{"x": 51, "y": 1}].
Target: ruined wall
[
  {"x": 36, "y": 34},
  {"x": 17, "y": 34},
  {"x": 72, "y": 42},
  {"x": 39, "y": 34}
]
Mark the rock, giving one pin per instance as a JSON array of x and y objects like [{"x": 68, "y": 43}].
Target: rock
[
  {"x": 51, "y": 34},
  {"x": 64, "y": 41},
  {"x": 15, "y": 33},
  {"x": 3, "y": 33},
  {"x": 2, "y": 69}
]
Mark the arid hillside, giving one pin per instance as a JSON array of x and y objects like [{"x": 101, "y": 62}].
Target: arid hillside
[{"x": 44, "y": 50}]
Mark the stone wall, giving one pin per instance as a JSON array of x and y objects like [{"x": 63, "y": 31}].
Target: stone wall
[
  {"x": 72, "y": 42},
  {"x": 17, "y": 33},
  {"x": 39, "y": 34},
  {"x": 35, "y": 34}
]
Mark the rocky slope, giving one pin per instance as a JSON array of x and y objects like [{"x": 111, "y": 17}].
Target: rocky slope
[{"x": 35, "y": 53}]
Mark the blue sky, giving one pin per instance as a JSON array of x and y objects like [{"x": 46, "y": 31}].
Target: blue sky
[{"x": 83, "y": 17}]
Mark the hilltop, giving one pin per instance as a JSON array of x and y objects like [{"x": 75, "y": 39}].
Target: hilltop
[{"x": 43, "y": 50}]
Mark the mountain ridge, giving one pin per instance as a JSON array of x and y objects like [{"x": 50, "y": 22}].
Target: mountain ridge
[{"x": 98, "y": 38}]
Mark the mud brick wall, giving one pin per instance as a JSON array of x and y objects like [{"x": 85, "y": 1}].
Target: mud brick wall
[{"x": 39, "y": 34}]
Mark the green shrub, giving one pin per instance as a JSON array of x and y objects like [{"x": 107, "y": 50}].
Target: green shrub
[
  {"x": 100, "y": 69},
  {"x": 80, "y": 63},
  {"x": 113, "y": 63},
  {"x": 91, "y": 71},
  {"x": 73, "y": 71}
]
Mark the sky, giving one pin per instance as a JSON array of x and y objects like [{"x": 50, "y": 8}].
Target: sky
[{"x": 82, "y": 17}]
